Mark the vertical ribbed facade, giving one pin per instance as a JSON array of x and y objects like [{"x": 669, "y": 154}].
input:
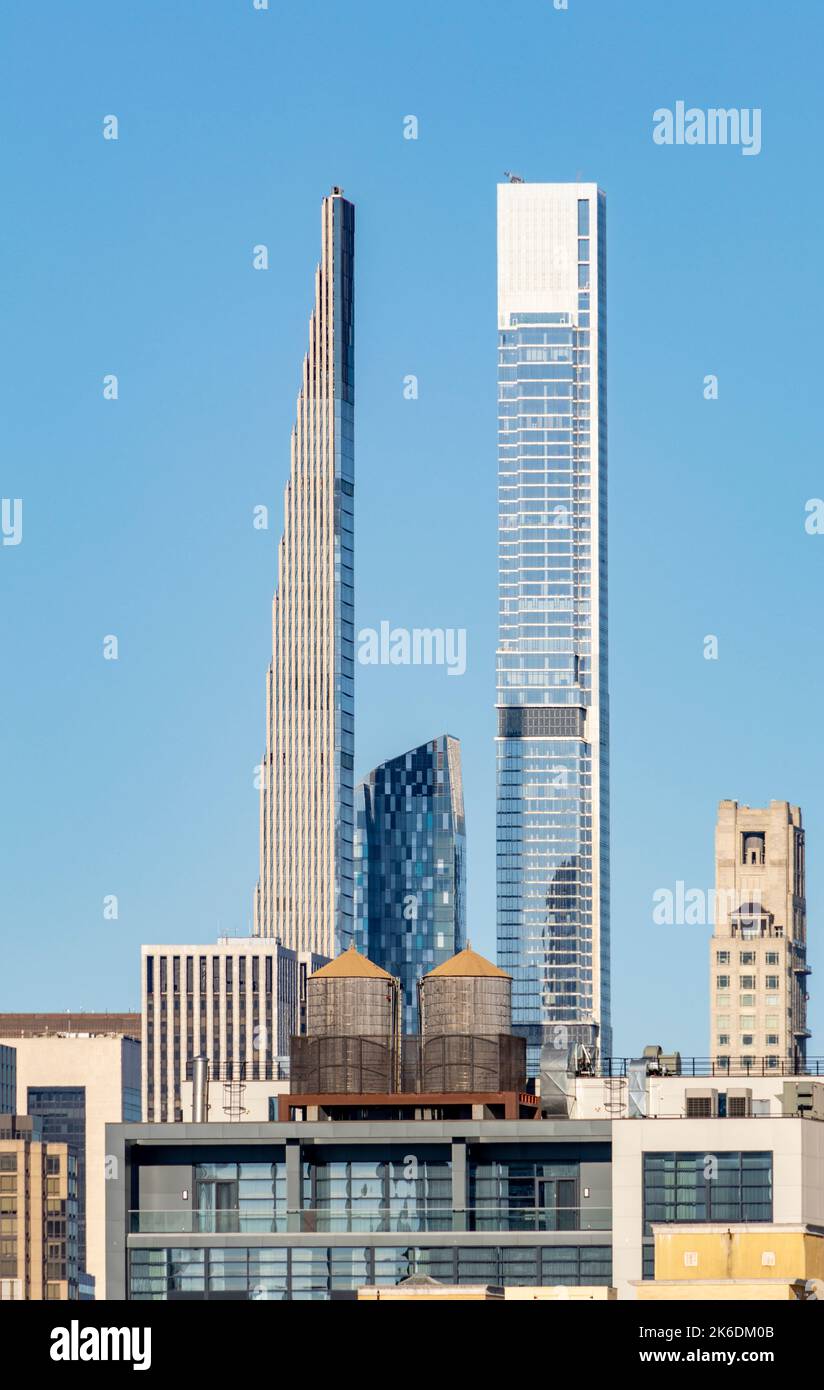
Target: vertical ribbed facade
[
  {"x": 553, "y": 722},
  {"x": 410, "y": 856},
  {"x": 304, "y": 893}
]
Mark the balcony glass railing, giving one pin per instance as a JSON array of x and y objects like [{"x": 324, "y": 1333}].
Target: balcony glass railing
[
  {"x": 328, "y": 1221},
  {"x": 205, "y": 1222},
  {"x": 586, "y": 1218},
  {"x": 472, "y": 1219}
]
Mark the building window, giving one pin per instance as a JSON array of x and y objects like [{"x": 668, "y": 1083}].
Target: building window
[
  {"x": 62, "y": 1112},
  {"x": 771, "y": 982},
  {"x": 722, "y": 957},
  {"x": 403, "y": 1193},
  {"x": 722, "y": 982},
  {"x": 514, "y": 1194},
  {"x": 301, "y": 1273},
  {"x": 232, "y": 1197},
  {"x": 707, "y": 1187}
]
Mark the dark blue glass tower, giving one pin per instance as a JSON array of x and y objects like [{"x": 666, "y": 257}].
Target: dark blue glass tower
[{"x": 410, "y": 839}]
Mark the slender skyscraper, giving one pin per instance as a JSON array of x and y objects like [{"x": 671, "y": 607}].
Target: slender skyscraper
[
  {"x": 410, "y": 848},
  {"x": 553, "y": 731},
  {"x": 304, "y": 894}
]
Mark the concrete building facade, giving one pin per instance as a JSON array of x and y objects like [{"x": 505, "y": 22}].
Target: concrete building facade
[
  {"x": 236, "y": 1003},
  {"x": 758, "y": 951}
]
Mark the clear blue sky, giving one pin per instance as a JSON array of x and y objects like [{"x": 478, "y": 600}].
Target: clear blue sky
[{"x": 135, "y": 777}]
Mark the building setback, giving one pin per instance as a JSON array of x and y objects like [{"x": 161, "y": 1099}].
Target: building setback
[
  {"x": 304, "y": 892},
  {"x": 410, "y": 854},
  {"x": 553, "y": 731},
  {"x": 758, "y": 951}
]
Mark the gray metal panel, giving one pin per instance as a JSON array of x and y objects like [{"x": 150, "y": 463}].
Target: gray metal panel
[
  {"x": 362, "y": 1131},
  {"x": 597, "y": 1179}
]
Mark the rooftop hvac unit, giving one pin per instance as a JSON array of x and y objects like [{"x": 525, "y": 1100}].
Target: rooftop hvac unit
[
  {"x": 804, "y": 1098},
  {"x": 670, "y": 1063},
  {"x": 739, "y": 1104},
  {"x": 701, "y": 1105}
]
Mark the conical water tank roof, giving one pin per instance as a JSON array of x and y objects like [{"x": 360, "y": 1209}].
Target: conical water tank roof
[
  {"x": 351, "y": 997},
  {"x": 466, "y": 994},
  {"x": 468, "y": 962},
  {"x": 351, "y": 965}
]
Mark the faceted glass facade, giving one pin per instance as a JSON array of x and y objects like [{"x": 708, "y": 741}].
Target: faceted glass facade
[
  {"x": 410, "y": 903},
  {"x": 304, "y": 893},
  {"x": 552, "y": 744}
]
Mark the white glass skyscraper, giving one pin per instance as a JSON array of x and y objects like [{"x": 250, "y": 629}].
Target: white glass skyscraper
[
  {"x": 304, "y": 893},
  {"x": 553, "y": 729}
]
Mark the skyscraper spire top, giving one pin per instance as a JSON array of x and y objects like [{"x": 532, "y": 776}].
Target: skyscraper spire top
[{"x": 304, "y": 893}]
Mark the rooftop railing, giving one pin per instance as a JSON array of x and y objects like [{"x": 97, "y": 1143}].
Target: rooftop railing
[
  {"x": 708, "y": 1066},
  {"x": 328, "y": 1221}
]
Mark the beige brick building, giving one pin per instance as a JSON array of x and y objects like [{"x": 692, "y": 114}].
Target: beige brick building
[
  {"x": 38, "y": 1214},
  {"x": 758, "y": 967}
]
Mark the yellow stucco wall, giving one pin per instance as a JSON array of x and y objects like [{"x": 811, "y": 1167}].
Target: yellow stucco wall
[
  {"x": 738, "y": 1254},
  {"x": 697, "y": 1291}
]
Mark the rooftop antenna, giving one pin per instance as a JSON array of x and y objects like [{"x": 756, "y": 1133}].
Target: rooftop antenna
[{"x": 513, "y": 178}]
